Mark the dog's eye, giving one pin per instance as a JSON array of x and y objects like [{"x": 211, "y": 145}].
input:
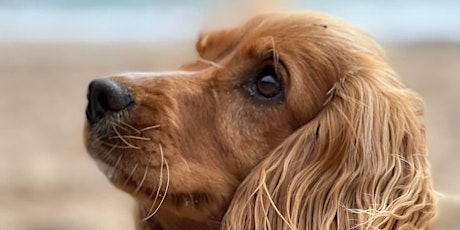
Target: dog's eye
[{"x": 267, "y": 84}]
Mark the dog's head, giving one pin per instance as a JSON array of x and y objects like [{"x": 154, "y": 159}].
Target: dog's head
[{"x": 292, "y": 120}]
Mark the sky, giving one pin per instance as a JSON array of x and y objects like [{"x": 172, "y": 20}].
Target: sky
[{"x": 94, "y": 21}]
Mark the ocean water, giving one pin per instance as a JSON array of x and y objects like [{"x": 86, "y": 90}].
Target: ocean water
[{"x": 158, "y": 21}]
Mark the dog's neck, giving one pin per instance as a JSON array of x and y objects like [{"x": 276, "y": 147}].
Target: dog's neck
[
  {"x": 167, "y": 219},
  {"x": 159, "y": 223}
]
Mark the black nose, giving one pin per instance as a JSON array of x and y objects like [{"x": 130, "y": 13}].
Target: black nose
[{"x": 105, "y": 95}]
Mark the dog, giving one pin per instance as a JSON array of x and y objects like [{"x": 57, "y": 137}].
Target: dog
[{"x": 289, "y": 121}]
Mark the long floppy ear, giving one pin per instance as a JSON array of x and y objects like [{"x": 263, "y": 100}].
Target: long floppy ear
[{"x": 361, "y": 163}]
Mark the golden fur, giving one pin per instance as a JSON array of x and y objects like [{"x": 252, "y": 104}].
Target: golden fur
[{"x": 344, "y": 149}]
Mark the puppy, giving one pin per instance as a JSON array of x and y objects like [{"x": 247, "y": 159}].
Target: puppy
[{"x": 289, "y": 121}]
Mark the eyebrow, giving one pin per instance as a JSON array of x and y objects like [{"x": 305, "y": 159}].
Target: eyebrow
[{"x": 265, "y": 48}]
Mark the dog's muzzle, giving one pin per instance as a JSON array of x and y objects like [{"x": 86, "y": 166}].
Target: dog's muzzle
[{"x": 106, "y": 96}]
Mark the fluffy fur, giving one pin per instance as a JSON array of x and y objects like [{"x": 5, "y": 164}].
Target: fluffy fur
[{"x": 344, "y": 149}]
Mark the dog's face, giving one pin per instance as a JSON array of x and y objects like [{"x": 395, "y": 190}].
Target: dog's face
[
  {"x": 182, "y": 142},
  {"x": 199, "y": 131}
]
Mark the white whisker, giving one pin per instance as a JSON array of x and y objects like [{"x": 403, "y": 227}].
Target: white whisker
[
  {"x": 164, "y": 194},
  {"x": 124, "y": 140},
  {"x": 131, "y": 137},
  {"x": 160, "y": 183},
  {"x": 210, "y": 63},
  {"x": 117, "y": 146},
  {"x": 117, "y": 163},
  {"x": 105, "y": 155},
  {"x": 163, "y": 197},
  {"x": 185, "y": 162},
  {"x": 130, "y": 175},
  {"x": 143, "y": 178},
  {"x": 118, "y": 125},
  {"x": 149, "y": 127},
  {"x": 130, "y": 126}
]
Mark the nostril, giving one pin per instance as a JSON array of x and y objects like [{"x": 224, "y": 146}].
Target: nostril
[
  {"x": 106, "y": 95},
  {"x": 109, "y": 94}
]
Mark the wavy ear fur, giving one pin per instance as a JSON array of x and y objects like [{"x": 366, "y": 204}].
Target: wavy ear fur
[{"x": 361, "y": 163}]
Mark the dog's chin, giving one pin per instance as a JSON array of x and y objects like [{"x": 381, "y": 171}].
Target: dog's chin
[
  {"x": 108, "y": 165},
  {"x": 125, "y": 169},
  {"x": 128, "y": 181},
  {"x": 108, "y": 160},
  {"x": 106, "y": 168}
]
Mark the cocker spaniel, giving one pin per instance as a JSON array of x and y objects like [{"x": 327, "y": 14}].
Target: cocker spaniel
[{"x": 289, "y": 121}]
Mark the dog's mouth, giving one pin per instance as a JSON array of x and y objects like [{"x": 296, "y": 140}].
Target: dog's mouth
[
  {"x": 138, "y": 168},
  {"x": 121, "y": 153},
  {"x": 132, "y": 155},
  {"x": 126, "y": 156},
  {"x": 134, "y": 143},
  {"x": 125, "y": 152}
]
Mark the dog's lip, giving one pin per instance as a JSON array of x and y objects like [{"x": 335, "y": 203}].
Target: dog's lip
[
  {"x": 109, "y": 117},
  {"x": 106, "y": 168},
  {"x": 98, "y": 151}
]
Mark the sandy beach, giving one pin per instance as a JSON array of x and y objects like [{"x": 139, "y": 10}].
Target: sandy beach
[{"x": 48, "y": 181}]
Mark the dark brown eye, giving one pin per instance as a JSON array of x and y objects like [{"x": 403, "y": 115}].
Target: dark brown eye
[{"x": 267, "y": 84}]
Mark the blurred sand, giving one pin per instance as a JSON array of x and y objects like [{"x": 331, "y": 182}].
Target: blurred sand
[{"x": 47, "y": 180}]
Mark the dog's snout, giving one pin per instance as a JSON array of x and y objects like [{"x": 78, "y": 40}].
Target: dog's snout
[{"x": 105, "y": 95}]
